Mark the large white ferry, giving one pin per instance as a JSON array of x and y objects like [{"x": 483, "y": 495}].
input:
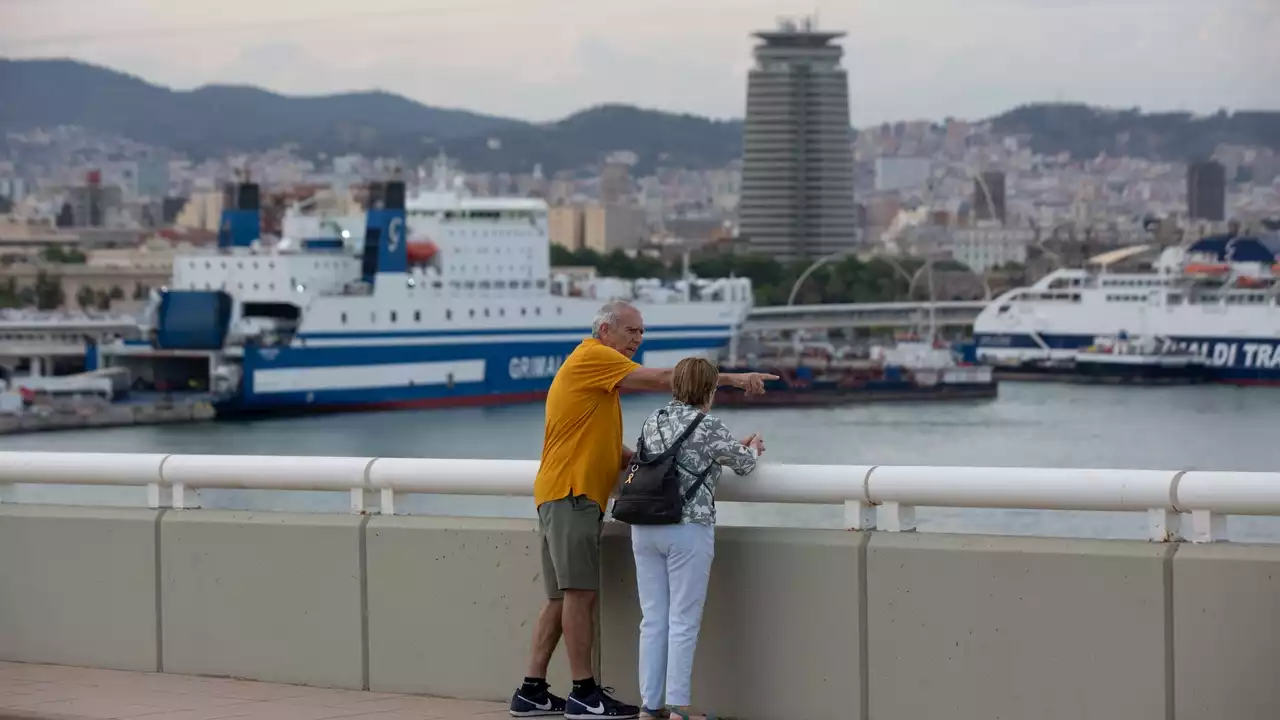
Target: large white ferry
[
  {"x": 438, "y": 299},
  {"x": 1216, "y": 298}
]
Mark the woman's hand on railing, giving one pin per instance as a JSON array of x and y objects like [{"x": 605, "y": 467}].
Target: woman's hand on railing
[{"x": 755, "y": 441}]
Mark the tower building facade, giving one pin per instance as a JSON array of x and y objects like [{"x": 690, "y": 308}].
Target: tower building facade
[{"x": 797, "y": 174}]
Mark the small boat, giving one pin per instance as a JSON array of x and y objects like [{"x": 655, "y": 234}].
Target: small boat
[
  {"x": 1118, "y": 359},
  {"x": 908, "y": 371},
  {"x": 1141, "y": 361}
]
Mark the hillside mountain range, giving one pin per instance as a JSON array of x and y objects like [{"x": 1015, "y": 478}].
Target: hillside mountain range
[{"x": 221, "y": 120}]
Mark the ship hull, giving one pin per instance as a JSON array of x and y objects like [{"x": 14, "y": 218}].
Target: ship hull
[
  {"x": 428, "y": 372},
  {"x": 1236, "y": 360}
]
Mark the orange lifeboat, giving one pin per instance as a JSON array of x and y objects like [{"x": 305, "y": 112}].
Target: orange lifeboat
[
  {"x": 420, "y": 251},
  {"x": 1206, "y": 269}
]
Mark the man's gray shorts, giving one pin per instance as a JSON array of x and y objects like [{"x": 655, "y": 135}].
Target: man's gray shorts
[{"x": 570, "y": 531}]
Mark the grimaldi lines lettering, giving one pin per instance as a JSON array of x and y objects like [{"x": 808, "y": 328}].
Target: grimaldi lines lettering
[
  {"x": 1231, "y": 353},
  {"x": 525, "y": 367}
]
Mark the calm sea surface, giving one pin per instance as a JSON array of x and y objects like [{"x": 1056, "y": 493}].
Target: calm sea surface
[{"x": 1031, "y": 424}]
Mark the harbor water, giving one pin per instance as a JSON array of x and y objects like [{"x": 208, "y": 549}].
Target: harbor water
[{"x": 1030, "y": 425}]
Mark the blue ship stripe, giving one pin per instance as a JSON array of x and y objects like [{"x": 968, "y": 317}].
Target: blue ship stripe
[
  {"x": 499, "y": 359},
  {"x": 584, "y": 331},
  {"x": 1229, "y": 358}
]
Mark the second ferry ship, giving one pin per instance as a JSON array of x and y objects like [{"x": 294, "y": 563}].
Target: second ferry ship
[
  {"x": 1217, "y": 299},
  {"x": 441, "y": 299}
]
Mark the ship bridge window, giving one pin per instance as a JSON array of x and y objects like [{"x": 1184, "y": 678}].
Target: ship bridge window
[
  {"x": 448, "y": 314},
  {"x": 344, "y": 318},
  {"x": 393, "y": 316}
]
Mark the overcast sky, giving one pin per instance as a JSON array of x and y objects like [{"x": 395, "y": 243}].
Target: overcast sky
[{"x": 543, "y": 59}]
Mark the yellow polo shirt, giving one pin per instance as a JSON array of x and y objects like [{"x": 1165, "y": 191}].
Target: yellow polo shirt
[{"x": 582, "y": 445}]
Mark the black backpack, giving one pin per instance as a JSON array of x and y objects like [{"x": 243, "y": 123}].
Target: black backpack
[{"x": 650, "y": 494}]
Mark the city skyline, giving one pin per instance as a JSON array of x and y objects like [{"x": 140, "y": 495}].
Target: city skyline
[{"x": 1000, "y": 53}]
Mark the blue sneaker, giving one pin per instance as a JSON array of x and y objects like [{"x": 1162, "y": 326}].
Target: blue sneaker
[
  {"x": 598, "y": 705},
  {"x": 536, "y": 703}
]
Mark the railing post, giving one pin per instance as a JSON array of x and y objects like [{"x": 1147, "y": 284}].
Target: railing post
[
  {"x": 1163, "y": 525},
  {"x": 387, "y": 501},
  {"x": 859, "y": 515},
  {"x": 359, "y": 501},
  {"x": 185, "y": 498},
  {"x": 896, "y": 517},
  {"x": 1207, "y": 526},
  {"x": 159, "y": 496}
]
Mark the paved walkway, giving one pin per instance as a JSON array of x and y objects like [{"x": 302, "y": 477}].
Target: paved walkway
[{"x": 52, "y": 692}]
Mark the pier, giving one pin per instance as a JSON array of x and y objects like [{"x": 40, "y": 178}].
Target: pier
[{"x": 876, "y": 620}]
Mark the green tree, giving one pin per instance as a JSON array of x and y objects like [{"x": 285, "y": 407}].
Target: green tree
[
  {"x": 561, "y": 256},
  {"x": 9, "y": 295},
  {"x": 58, "y": 254},
  {"x": 47, "y": 293},
  {"x": 85, "y": 298}
]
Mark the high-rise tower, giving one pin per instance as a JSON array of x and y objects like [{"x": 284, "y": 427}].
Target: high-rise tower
[{"x": 797, "y": 174}]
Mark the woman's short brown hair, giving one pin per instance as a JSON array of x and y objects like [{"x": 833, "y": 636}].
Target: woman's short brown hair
[{"x": 693, "y": 380}]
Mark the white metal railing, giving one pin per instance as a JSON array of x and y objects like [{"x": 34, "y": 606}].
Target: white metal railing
[{"x": 883, "y": 497}]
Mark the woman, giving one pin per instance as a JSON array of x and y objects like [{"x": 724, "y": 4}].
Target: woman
[{"x": 673, "y": 562}]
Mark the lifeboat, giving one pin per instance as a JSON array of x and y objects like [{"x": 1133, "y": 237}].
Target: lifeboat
[
  {"x": 1214, "y": 269},
  {"x": 420, "y": 251},
  {"x": 1252, "y": 282}
]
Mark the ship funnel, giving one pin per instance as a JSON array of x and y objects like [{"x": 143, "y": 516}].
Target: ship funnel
[
  {"x": 385, "y": 232},
  {"x": 241, "y": 222}
]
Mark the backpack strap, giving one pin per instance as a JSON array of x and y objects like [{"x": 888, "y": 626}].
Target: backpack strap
[
  {"x": 702, "y": 480},
  {"x": 673, "y": 447}
]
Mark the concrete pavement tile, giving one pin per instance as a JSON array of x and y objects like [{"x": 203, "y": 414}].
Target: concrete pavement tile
[
  {"x": 223, "y": 712},
  {"x": 402, "y": 715},
  {"x": 82, "y": 708}
]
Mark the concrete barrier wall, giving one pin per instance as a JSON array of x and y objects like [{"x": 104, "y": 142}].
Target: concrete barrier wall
[
  {"x": 267, "y": 596},
  {"x": 799, "y": 623},
  {"x": 781, "y": 629},
  {"x": 974, "y": 628},
  {"x": 78, "y": 586},
  {"x": 1226, "y": 629},
  {"x": 452, "y": 602}
]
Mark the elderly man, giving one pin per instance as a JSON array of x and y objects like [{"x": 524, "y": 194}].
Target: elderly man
[{"x": 582, "y": 456}]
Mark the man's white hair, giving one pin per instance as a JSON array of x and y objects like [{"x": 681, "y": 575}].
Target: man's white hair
[{"x": 608, "y": 315}]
